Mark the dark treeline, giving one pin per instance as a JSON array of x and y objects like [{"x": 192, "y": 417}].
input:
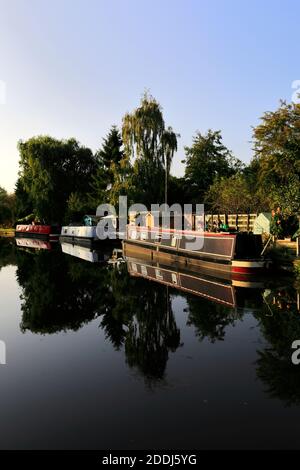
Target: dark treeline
[{"x": 60, "y": 180}]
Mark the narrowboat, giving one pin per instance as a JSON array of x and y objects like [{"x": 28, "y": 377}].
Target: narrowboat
[
  {"x": 79, "y": 235},
  {"x": 85, "y": 234},
  {"x": 237, "y": 253},
  {"x": 45, "y": 232}
]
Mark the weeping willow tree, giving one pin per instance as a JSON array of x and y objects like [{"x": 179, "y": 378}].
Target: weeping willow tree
[
  {"x": 151, "y": 146},
  {"x": 169, "y": 147}
]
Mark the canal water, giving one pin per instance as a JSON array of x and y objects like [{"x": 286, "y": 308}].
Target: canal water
[{"x": 102, "y": 356}]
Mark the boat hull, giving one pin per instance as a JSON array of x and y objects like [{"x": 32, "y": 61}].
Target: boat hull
[
  {"x": 81, "y": 231},
  {"x": 44, "y": 232},
  {"x": 85, "y": 236},
  {"x": 211, "y": 251}
]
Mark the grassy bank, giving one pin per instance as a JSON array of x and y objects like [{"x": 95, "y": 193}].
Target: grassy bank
[{"x": 7, "y": 232}]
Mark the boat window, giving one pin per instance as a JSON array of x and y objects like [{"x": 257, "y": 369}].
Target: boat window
[
  {"x": 144, "y": 270},
  {"x": 134, "y": 267}
]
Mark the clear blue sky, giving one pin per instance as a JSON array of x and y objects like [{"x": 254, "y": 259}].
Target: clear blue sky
[{"x": 73, "y": 67}]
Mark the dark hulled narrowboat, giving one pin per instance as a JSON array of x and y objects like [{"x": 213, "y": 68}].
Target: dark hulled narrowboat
[{"x": 227, "y": 252}]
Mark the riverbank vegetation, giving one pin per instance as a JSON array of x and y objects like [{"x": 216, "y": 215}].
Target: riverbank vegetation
[
  {"x": 60, "y": 180},
  {"x": 7, "y": 208}
]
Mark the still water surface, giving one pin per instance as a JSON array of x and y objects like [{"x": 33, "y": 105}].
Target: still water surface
[{"x": 100, "y": 359}]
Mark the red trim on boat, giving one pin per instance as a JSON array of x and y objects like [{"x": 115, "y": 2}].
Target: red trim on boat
[
  {"x": 247, "y": 270},
  {"x": 38, "y": 229}
]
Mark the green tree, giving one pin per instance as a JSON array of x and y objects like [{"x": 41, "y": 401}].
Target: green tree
[
  {"x": 177, "y": 190},
  {"x": 51, "y": 170},
  {"x": 152, "y": 146},
  {"x": 230, "y": 195},
  {"x": 169, "y": 147},
  {"x": 277, "y": 157},
  {"x": 123, "y": 182},
  {"x": 110, "y": 166},
  {"x": 205, "y": 160},
  {"x": 7, "y": 208},
  {"x": 111, "y": 151},
  {"x": 24, "y": 207},
  {"x": 76, "y": 207},
  {"x": 100, "y": 187}
]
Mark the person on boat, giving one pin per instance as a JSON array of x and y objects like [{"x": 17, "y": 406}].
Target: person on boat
[{"x": 276, "y": 223}]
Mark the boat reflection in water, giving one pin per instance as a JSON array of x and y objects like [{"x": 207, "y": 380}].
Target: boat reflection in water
[
  {"x": 224, "y": 288},
  {"x": 84, "y": 253},
  {"x": 35, "y": 243}
]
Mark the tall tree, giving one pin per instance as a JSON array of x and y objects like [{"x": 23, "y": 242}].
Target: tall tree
[
  {"x": 51, "y": 170},
  {"x": 109, "y": 167},
  {"x": 277, "y": 157},
  {"x": 123, "y": 184},
  {"x": 205, "y": 160},
  {"x": 151, "y": 145},
  {"x": 169, "y": 147},
  {"x": 111, "y": 151}
]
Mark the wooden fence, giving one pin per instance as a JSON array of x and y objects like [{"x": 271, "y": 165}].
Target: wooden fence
[{"x": 241, "y": 222}]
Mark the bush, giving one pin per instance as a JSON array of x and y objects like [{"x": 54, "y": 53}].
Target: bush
[{"x": 280, "y": 256}]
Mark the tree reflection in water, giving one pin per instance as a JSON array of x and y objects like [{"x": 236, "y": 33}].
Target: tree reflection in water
[
  {"x": 7, "y": 252},
  {"x": 209, "y": 319},
  {"x": 279, "y": 321},
  {"x": 60, "y": 293},
  {"x": 139, "y": 315},
  {"x": 152, "y": 333}
]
